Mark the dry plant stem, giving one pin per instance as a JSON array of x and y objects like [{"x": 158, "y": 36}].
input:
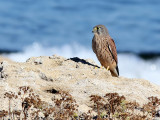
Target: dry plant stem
[
  {"x": 98, "y": 111},
  {"x": 9, "y": 107},
  {"x": 23, "y": 109}
]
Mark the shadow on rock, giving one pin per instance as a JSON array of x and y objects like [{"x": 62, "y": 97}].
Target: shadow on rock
[{"x": 76, "y": 59}]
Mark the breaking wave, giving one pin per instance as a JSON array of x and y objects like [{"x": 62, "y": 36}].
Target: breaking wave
[{"x": 130, "y": 65}]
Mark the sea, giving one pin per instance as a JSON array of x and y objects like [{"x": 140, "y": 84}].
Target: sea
[{"x": 64, "y": 27}]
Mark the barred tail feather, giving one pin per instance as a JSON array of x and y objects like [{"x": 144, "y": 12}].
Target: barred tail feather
[
  {"x": 115, "y": 72},
  {"x": 117, "y": 69}
]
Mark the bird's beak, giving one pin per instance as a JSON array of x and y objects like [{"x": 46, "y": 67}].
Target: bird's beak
[{"x": 94, "y": 30}]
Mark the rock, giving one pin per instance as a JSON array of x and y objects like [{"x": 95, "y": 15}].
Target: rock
[
  {"x": 44, "y": 77},
  {"x": 3, "y": 74},
  {"x": 38, "y": 61},
  {"x": 76, "y": 76},
  {"x": 4, "y": 59},
  {"x": 56, "y": 57}
]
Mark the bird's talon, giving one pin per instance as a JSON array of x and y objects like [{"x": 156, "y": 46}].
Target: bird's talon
[
  {"x": 95, "y": 68},
  {"x": 101, "y": 67},
  {"x": 107, "y": 68}
]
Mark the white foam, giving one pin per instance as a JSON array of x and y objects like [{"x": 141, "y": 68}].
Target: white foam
[
  {"x": 129, "y": 65},
  {"x": 67, "y": 51},
  {"x": 134, "y": 67}
]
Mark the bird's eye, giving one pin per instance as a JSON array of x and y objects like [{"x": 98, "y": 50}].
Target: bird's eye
[{"x": 98, "y": 28}]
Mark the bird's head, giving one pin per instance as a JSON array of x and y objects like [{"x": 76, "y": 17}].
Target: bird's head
[{"x": 100, "y": 30}]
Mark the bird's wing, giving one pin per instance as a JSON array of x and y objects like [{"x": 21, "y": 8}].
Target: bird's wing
[{"x": 112, "y": 49}]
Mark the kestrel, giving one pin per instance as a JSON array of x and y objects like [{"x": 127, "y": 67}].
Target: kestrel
[{"x": 104, "y": 48}]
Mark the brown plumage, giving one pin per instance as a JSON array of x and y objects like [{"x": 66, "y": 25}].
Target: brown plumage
[{"x": 104, "y": 48}]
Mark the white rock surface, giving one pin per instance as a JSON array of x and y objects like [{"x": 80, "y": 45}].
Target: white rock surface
[{"x": 77, "y": 76}]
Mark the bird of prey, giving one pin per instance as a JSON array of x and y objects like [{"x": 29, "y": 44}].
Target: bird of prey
[{"x": 104, "y": 48}]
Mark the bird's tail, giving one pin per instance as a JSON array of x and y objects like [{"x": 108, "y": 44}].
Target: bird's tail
[{"x": 115, "y": 72}]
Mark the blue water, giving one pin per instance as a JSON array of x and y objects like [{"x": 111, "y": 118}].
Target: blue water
[
  {"x": 133, "y": 24},
  {"x": 63, "y": 27}
]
